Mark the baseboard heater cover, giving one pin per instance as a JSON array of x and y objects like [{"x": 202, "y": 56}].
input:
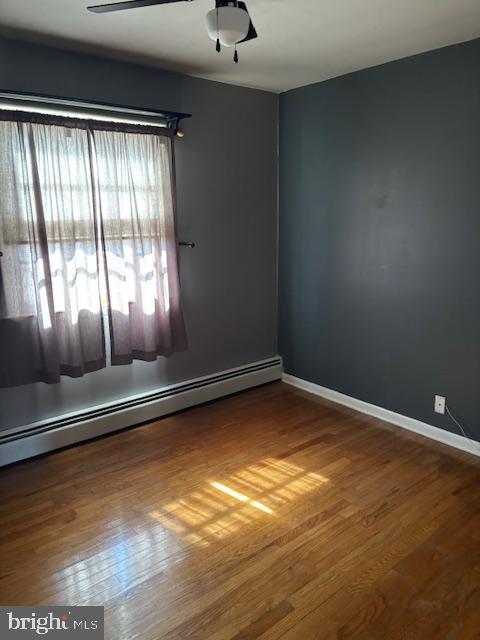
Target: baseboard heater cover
[
  {"x": 399, "y": 420},
  {"x": 41, "y": 437}
]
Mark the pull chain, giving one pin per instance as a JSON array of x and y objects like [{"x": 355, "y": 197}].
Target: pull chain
[
  {"x": 218, "y": 47},
  {"x": 235, "y": 55}
]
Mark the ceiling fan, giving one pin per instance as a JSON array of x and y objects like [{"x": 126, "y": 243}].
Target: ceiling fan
[{"x": 229, "y": 23}]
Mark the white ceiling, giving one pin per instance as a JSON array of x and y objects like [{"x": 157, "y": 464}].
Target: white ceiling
[{"x": 300, "y": 41}]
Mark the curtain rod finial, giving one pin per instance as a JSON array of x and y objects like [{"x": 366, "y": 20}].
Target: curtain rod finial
[{"x": 180, "y": 133}]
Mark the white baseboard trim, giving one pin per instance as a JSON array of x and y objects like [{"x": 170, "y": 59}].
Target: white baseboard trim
[
  {"x": 422, "y": 428},
  {"x": 41, "y": 437}
]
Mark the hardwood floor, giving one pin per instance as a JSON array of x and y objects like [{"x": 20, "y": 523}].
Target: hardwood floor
[{"x": 271, "y": 514}]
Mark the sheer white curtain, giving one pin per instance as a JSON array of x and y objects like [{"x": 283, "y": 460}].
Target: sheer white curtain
[
  {"x": 50, "y": 311},
  {"x": 87, "y": 218},
  {"x": 136, "y": 191}
]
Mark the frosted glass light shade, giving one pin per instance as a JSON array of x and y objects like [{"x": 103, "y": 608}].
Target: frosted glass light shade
[{"x": 233, "y": 25}]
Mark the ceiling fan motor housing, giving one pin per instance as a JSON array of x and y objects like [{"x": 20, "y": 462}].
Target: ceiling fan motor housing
[{"x": 228, "y": 23}]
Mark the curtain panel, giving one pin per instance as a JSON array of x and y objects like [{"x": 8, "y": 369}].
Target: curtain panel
[
  {"x": 87, "y": 231},
  {"x": 139, "y": 244}
]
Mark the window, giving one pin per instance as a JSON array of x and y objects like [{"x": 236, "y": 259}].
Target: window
[{"x": 86, "y": 216}]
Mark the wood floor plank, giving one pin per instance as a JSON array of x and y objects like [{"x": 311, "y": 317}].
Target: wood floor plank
[{"x": 270, "y": 514}]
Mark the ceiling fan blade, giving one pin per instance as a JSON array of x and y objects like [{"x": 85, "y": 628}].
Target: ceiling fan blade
[
  {"x": 129, "y": 4},
  {"x": 252, "y": 32}
]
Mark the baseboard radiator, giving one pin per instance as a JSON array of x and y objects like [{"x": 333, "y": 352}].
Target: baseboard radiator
[{"x": 41, "y": 437}]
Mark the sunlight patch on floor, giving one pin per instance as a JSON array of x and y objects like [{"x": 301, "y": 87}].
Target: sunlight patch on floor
[{"x": 221, "y": 508}]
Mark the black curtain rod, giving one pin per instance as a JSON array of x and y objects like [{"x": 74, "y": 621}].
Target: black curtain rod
[{"x": 171, "y": 118}]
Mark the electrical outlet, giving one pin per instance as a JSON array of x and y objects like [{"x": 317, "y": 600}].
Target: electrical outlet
[{"x": 439, "y": 405}]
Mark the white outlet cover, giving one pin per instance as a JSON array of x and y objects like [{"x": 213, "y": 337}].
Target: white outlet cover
[{"x": 439, "y": 405}]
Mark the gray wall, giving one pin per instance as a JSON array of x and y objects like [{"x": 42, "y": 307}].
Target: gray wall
[
  {"x": 380, "y": 234},
  {"x": 226, "y": 181}
]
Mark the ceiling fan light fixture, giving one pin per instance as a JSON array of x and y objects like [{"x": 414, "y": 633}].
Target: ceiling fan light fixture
[{"x": 229, "y": 24}]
